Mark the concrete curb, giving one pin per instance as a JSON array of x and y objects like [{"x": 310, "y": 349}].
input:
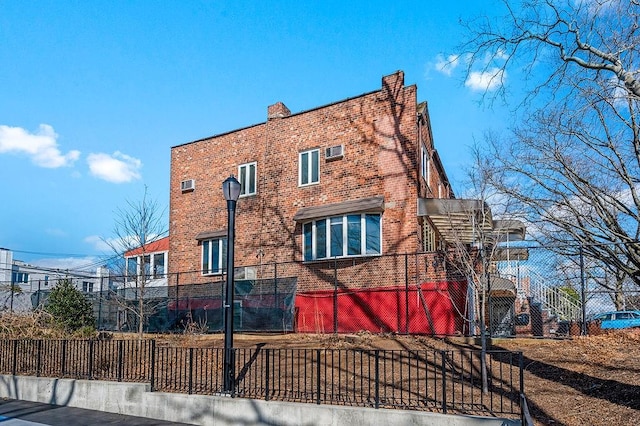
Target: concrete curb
[{"x": 135, "y": 399}]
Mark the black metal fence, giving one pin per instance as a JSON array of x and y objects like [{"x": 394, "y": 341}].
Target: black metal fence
[
  {"x": 531, "y": 291},
  {"x": 430, "y": 380}
]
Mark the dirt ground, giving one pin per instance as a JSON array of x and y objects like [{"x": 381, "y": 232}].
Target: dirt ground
[{"x": 580, "y": 381}]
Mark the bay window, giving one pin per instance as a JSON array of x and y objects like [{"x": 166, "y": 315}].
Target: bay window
[{"x": 342, "y": 236}]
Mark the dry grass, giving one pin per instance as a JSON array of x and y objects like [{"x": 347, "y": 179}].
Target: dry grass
[
  {"x": 573, "y": 382},
  {"x": 582, "y": 381}
]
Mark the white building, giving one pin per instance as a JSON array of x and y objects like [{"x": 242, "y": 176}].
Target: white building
[{"x": 20, "y": 278}]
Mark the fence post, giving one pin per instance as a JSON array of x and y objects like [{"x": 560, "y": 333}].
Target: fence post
[
  {"x": 120, "y": 360},
  {"x": 318, "y": 375},
  {"x": 39, "y": 360},
  {"x": 152, "y": 368},
  {"x": 190, "y": 371},
  {"x": 443, "y": 372},
  {"x": 177, "y": 312},
  {"x": 335, "y": 295},
  {"x": 377, "y": 378},
  {"x": 90, "y": 360},
  {"x": 583, "y": 327},
  {"x": 14, "y": 367},
  {"x": 521, "y": 366},
  {"x": 100, "y": 306},
  {"x": 63, "y": 367},
  {"x": 267, "y": 372},
  {"x": 522, "y": 399},
  {"x": 406, "y": 292}
]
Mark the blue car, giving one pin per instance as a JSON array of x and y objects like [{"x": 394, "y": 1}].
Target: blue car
[{"x": 618, "y": 319}]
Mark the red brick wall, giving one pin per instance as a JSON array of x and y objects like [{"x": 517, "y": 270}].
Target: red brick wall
[{"x": 379, "y": 134}]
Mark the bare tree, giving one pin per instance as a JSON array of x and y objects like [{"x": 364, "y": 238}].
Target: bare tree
[
  {"x": 472, "y": 249},
  {"x": 572, "y": 160},
  {"x": 137, "y": 225}
]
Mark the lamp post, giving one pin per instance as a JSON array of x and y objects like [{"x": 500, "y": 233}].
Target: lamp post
[{"x": 231, "y": 191}]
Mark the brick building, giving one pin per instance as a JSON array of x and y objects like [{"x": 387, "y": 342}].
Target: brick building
[{"x": 344, "y": 187}]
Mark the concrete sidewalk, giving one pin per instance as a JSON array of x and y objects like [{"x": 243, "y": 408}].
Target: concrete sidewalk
[{"x": 24, "y": 413}]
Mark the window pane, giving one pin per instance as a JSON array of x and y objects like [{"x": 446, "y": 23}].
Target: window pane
[
  {"x": 315, "y": 166},
  {"x": 373, "y": 233},
  {"x": 336, "y": 236},
  {"x": 223, "y": 258},
  {"x": 132, "y": 266},
  {"x": 353, "y": 234},
  {"x": 304, "y": 168},
  {"x": 215, "y": 256},
  {"x": 206, "y": 246},
  {"x": 252, "y": 179},
  {"x": 243, "y": 180},
  {"x": 321, "y": 239},
  {"x": 158, "y": 265},
  {"x": 307, "y": 241},
  {"x": 147, "y": 265}
]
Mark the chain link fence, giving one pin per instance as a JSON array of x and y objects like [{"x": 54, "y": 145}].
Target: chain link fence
[{"x": 525, "y": 291}]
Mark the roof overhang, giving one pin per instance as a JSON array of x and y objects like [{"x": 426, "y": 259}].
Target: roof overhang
[
  {"x": 457, "y": 220},
  {"x": 208, "y": 235},
  {"x": 498, "y": 284},
  {"x": 509, "y": 230},
  {"x": 468, "y": 221},
  {"x": 362, "y": 205},
  {"x": 503, "y": 254}
]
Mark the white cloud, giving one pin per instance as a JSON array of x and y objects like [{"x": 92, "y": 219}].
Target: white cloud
[
  {"x": 446, "y": 65},
  {"x": 41, "y": 146},
  {"x": 487, "y": 80},
  {"x": 98, "y": 244},
  {"x": 119, "y": 245},
  {"x": 116, "y": 168},
  {"x": 71, "y": 263}
]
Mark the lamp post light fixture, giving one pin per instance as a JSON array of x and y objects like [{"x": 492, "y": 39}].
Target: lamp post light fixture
[{"x": 231, "y": 191}]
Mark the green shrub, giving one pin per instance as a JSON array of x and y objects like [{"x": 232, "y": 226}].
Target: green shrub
[{"x": 70, "y": 308}]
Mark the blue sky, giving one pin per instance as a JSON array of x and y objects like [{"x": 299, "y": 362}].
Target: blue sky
[{"x": 93, "y": 94}]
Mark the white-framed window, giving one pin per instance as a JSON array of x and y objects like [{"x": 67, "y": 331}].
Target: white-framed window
[
  {"x": 87, "y": 286},
  {"x": 214, "y": 255},
  {"x": 248, "y": 174},
  {"x": 154, "y": 265},
  {"x": 357, "y": 234},
  {"x": 309, "y": 168},
  {"x": 428, "y": 237},
  {"x": 425, "y": 164}
]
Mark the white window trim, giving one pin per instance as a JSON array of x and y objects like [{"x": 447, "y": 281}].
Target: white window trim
[
  {"x": 345, "y": 238},
  {"x": 221, "y": 262},
  {"x": 426, "y": 165},
  {"x": 244, "y": 184},
  {"x": 309, "y": 168},
  {"x": 151, "y": 255}
]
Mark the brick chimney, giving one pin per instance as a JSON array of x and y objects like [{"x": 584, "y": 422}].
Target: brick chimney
[
  {"x": 392, "y": 84},
  {"x": 277, "y": 110}
]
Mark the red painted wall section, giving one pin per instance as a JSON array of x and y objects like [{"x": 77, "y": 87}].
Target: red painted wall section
[{"x": 433, "y": 308}]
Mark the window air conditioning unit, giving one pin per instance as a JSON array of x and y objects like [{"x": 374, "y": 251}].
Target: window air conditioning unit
[
  {"x": 188, "y": 185},
  {"x": 334, "y": 152},
  {"x": 250, "y": 273}
]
